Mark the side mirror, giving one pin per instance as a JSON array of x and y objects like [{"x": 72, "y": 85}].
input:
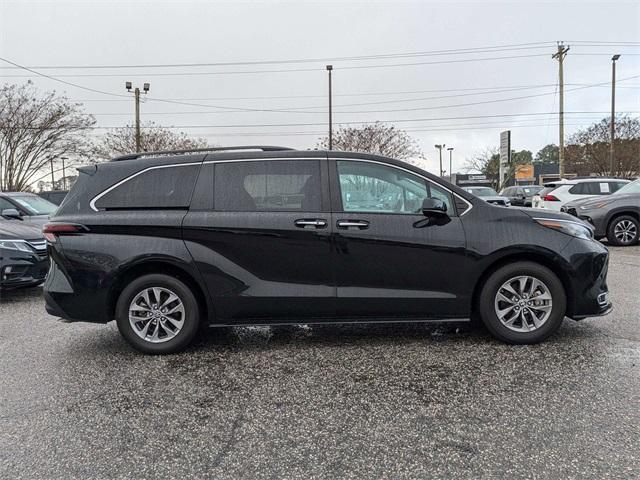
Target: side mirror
[
  {"x": 433, "y": 207},
  {"x": 11, "y": 213}
]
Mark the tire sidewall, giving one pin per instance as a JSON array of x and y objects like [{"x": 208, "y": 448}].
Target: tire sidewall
[
  {"x": 497, "y": 279},
  {"x": 611, "y": 231},
  {"x": 191, "y": 321}
]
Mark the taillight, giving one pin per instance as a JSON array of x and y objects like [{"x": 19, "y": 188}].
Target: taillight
[
  {"x": 53, "y": 230},
  {"x": 550, "y": 198}
]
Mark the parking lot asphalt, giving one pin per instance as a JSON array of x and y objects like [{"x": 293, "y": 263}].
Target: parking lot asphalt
[{"x": 384, "y": 401}]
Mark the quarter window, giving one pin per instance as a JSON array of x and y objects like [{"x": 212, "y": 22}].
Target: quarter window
[
  {"x": 268, "y": 186},
  {"x": 157, "y": 188},
  {"x": 370, "y": 187}
]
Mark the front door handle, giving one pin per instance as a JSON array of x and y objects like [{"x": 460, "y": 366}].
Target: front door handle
[
  {"x": 310, "y": 222},
  {"x": 359, "y": 224}
]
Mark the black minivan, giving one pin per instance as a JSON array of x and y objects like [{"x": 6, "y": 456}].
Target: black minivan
[{"x": 167, "y": 242}]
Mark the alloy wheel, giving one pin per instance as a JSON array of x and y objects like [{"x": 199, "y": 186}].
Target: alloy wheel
[
  {"x": 523, "y": 303},
  {"x": 156, "y": 314},
  {"x": 625, "y": 231}
]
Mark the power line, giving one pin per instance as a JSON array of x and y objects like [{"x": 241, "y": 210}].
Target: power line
[
  {"x": 289, "y": 70},
  {"x": 497, "y": 48},
  {"x": 363, "y": 122}
]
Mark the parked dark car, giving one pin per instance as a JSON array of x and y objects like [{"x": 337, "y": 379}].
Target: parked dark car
[
  {"x": 489, "y": 195},
  {"x": 616, "y": 216},
  {"x": 54, "y": 196},
  {"x": 23, "y": 255},
  {"x": 26, "y": 206},
  {"x": 167, "y": 242},
  {"x": 522, "y": 195}
]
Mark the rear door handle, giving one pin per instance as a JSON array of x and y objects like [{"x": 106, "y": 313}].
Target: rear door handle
[
  {"x": 310, "y": 222},
  {"x": 359, "y": 224}
]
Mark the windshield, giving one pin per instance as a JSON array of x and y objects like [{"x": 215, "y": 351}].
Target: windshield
[
  {"x": 482, "y": 191},
  {"x": 36, "y": 205},
  {"x": 633, "y": 187}
]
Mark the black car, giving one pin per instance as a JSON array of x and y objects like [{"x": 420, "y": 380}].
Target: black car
[
  {"x": 23, "y": 255},
  {"x": 167, "y": 242},
  {"x": 25, "y": 206}
]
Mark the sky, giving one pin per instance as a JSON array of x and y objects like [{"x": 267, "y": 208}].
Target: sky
[{"x": 447, "y": 72}]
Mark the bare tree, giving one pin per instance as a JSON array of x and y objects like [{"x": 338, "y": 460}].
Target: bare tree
[
  {"x": 377, "y": 138},
  {"x": 588, "y": 149},
  {"x": 36, "y": 129},
  {"x": 153, "y": 137}
]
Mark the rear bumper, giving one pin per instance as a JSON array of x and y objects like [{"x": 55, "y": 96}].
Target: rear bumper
[{"x": 61, "y": 300}]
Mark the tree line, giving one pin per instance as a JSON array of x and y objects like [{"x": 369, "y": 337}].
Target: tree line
[{"x": 38, "y": 128}]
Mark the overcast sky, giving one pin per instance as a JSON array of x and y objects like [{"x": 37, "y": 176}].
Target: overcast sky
[{"x": 429, "y": 98}]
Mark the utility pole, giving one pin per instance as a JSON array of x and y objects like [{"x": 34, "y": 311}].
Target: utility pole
[
  {"x": 613, "y": 110},
  {"x": 559, "y": 55},
  {"x": 52, "y": 184},
  {"x": 450, "y": 162},
  {"x": 136, "y": 93},
  {"x": 440, "y": 147},
  {"x": 64, "y": 173},
  {"x": 329, "y": 69}
]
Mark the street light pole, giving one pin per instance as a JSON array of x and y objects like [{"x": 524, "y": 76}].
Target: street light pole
[
  {"x": 329, "y": 69},
  {"x": 450, "y": 162},
  {"x": 136, "y": 94},
  {"x": 64, "y": 173},
  {"x": 440, "y": 147},
  {"x": 613, "y": 110}
]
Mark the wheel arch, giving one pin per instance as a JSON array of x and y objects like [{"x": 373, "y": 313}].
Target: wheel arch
[
  {"x": 165, "y": 267},
  {"x": 620, "y": 212},
  {"x": 534, "y": 257}
]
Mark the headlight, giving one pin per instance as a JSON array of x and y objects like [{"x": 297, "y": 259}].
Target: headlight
[
  {"x": 15, "y": 245},
  {"x": 593, "y": 206},
  {"x": 574, "y": 229}
]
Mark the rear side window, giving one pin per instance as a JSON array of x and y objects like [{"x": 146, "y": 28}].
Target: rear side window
[
  {"x": 590, "y": 188},
  {"x": 267, "y": 186},
  {"x": 156, "y": 188},
  {"x": 615, "y": 186}
]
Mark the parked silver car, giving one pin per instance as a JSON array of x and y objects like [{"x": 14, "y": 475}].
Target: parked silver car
[{"x": 616, "y": 216}]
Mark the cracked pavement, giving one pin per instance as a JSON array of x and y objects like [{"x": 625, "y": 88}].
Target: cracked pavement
[{"x": 383, "y": 401}]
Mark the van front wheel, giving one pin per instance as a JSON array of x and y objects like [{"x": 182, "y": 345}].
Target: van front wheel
[
  {"x": 523, "y": 302},
  {"x": 157, "y": 314}
]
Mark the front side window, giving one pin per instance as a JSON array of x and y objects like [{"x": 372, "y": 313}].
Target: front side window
[
  {"x": 268, "y": 186},
  {"x": 374, "y": 188}
]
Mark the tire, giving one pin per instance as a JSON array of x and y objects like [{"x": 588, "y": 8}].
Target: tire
[
  {"x": 547, "y": 301},
  {"x": 167, "y": 332},
  {"x": 623, "y": 231}
]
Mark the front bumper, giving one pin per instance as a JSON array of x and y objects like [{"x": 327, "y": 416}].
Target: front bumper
[
  {"x": 18, "y": 271},
  {"x": 587, "y": 283}
]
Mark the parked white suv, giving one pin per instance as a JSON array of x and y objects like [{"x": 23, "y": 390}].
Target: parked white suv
[{"x": 555, "y": 194}]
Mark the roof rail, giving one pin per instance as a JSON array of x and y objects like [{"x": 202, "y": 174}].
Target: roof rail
[{"x": 264, "y": 148}]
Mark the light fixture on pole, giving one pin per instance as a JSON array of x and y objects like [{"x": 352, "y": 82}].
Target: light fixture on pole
[
  {"x": 136, "y": 92},
  {"x": 450, "y": 162},
  {"x": 613, "y": 110},
  {"x": 440, "y": 147},
  {"x": 329, "y": 69}
]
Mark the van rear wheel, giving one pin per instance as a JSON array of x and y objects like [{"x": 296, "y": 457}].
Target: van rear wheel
[
  {"x": 522, "y": 303},
  {"x": 157, "y": 314}
]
